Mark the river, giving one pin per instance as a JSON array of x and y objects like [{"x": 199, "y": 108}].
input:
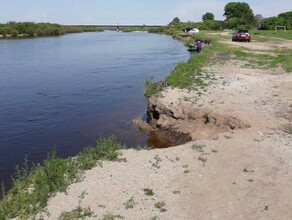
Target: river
[{"x": 68, "y": 91}]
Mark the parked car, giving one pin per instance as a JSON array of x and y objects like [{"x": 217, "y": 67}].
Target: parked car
[
  {"x": 241, "y": 35},
  {"x": 191, "y": 30}
]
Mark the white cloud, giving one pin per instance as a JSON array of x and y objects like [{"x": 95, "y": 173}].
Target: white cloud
[{"x": 193, "y": 11}]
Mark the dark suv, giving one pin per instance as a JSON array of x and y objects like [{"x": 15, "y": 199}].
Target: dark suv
[{"x": 241, "y": 35}]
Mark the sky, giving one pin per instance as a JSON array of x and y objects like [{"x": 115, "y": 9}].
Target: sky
[{"x": 126, "y": 11}]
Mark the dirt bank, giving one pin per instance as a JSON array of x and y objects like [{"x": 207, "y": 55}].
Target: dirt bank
[{"x": 241, "y": 168}]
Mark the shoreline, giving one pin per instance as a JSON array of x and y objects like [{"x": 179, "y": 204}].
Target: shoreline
[{"x": 229, "y": 169}]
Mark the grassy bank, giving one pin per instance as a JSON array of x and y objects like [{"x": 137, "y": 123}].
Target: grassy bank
[
  {"x": 190, "y": 74},
  {"x": 33, "y": 186},
  {"x": 31, "y": 29}
]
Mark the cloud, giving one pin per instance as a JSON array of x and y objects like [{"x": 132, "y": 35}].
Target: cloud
[{"x": 193, "y": 11}]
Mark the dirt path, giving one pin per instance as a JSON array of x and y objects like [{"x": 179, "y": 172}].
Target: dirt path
[{"x": 238, "y": 174}]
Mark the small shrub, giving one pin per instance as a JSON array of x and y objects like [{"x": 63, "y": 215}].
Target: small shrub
[{"x": 148, "y": 192}]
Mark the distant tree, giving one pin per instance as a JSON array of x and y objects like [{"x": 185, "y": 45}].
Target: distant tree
[
  {"x": 174, "y": 22},
  {"x": 270, "y": 23},
  {"x": 240, "y": 10},
  {"x": 287, "y": 16},
  {"x": 259, "y": 19},
  {"x": 208, "y": 16}
]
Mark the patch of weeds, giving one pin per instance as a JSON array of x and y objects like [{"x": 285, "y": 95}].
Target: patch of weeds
[
  {"x": 130, "y": 203},
  {"x": 148, "y": 192},
  {"x": 157, "y": 161},
  {"x": 247, "y": 171},
  {"x": 152, "y": 88},
  {"x": 250, "y": 180},
  {"x": 160, "y": 206},
  {"x": 32, "y": 186},
  {"x": 227, "y": 137},
  {"x": 203, "y": 159},
  {"x": 177, "y": 158},
  {"x": 214, "y": 151},
  {"x": 215, "y": 138},
  {"x": 185, "y": 166},
  {"x": 198, "y": 147},
  {"x": 76, "y": 214},
  {"x": 110, "y": 216},
  {"x": 102, "y": 206},
  {"x": 187, "y": 171},
  {"x": 176, "y": 192},
  {"x": 154, "y": 218}
]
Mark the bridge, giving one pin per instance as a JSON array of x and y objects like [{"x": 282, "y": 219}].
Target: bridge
[{"x": 118, "y": 26}]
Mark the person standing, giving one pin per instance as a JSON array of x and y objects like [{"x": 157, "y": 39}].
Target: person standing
[{"x": 199, "y": 46}]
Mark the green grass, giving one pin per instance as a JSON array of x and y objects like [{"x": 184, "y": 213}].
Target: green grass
[
  {"x": 31, "y": 187},
  {"x": 285, "y": 60},
  {"x": 76, "y": 214},
  {"x": 110, "y": 216},
  {"x": 266, "y": 34},
  {"x": 148, "y": 192},
  {"x": 134, "y": 29}
]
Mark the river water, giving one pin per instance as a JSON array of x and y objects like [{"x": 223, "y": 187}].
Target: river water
[{"x": 68, "y": 91}]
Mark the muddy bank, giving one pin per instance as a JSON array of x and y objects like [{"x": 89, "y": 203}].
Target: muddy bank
[{"x": 182, "y": 123}]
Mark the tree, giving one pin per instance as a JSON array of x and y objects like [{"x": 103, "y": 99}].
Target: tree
[
  {"x": 208, "y": 16},
  {"x": 270, "y": 23},
  {"x": 287, "y": 16},
  {"x": 259, "y": 19},
  {"x": 239, "y": 10},
  {"x": 175, "y": 22}
]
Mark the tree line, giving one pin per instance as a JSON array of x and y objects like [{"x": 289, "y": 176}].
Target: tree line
[
  {"x": 31, "y": 29},
  {"x": 237, "y": 15}
]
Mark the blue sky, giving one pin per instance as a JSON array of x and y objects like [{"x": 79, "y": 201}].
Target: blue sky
[{"x": 125, "y": 11}]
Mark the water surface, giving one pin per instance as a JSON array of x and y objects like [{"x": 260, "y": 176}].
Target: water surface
[{"x": 67, "y": 91}]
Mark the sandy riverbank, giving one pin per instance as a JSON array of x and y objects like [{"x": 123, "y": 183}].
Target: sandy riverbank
[{"x": 230, "y": 173}]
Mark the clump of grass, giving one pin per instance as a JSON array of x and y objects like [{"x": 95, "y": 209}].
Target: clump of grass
[
  {"x": 203, "y": 159},
  {"x": 130, "y": 203},
  {"x": 110, "y": 216},
  {"x": 76, "y": 214},
  {"x": 176, "y": 192},
  {"x": 160, "y": 206},
  {"x": 148, "y": 192},
  {"x": 198, "y": 147},
  {"x": 152, "y": 88},
  {"x": 31, "y": 187},
  {"x": 157, "y": 161}
]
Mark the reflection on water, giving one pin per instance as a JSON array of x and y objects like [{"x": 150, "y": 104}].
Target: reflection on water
[{"x": 68, "y": 91}]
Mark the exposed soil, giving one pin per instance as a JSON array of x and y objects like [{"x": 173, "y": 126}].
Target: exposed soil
[{"x": 241, "y": 168}]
